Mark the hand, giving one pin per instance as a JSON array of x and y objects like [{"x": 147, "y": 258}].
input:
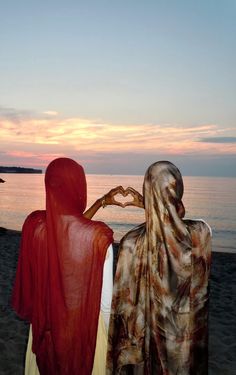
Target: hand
[
  {"x": 137, "y": 198},
  {"x": 109, "y": 198}
]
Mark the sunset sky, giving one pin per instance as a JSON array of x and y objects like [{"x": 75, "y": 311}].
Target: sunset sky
[{"x": 117, "y": 85}]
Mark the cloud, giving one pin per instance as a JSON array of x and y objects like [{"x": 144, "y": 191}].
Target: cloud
[
  {"x": 20, "y": 154},
  {"x": 14, "y": 115},
  {"x": 218, "y": 140},
  {"x": 35, "y": 139},
  {"x": 51, "y": 113}
]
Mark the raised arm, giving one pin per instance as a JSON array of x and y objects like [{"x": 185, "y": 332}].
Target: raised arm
[
  {"x": 137, "y": 198},
  {"x": 107, "y": 200}
]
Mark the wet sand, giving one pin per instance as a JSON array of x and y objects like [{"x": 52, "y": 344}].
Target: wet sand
[{"x": 222, "y": 317}]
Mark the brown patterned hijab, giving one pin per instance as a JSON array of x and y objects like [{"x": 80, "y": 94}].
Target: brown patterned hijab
[{"x": 158, "y": 321}]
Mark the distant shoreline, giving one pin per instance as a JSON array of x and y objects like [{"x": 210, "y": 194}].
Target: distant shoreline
[{"x": 19, "y": 170}]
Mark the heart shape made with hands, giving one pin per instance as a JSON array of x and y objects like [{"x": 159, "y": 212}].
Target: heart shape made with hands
[{"x": 121, "y": 198}]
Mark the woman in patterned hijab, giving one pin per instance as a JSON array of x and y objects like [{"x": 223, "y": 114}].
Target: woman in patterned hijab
[{"x": 159, "y": 315}]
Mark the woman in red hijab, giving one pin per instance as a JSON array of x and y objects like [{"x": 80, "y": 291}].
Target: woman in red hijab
[{"x": 60, "y": 272}]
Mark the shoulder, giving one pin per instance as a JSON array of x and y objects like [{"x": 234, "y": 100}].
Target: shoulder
[
  {"x": 35, "y": 217},
  {"x": 198, "y": 225},
  {"x": 81, "y": 223},
  {"x": 93, "y": 232},
  {"x": 101, "y": 229},
  {"x": 36, "y": 221},
  {"x": 200, "y": 233},
  {"x": 130, "y": 238}
]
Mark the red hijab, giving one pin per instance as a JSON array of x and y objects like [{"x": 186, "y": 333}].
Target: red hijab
[{"x": 59, "y": 274}]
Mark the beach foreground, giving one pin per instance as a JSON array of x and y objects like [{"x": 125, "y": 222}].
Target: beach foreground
[{"x": 222, "y": 327}]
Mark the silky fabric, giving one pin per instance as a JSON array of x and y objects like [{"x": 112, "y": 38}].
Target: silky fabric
[
  {"x": 59, "y": 274},
  {"x": 99, "y": 363},
  {"x": 159, "y": 315}
]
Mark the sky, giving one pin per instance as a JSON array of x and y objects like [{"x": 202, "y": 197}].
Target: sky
[{"x": 118, "y": 85}]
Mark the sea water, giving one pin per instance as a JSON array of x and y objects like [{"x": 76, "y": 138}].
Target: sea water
[{"x": 210, "y": 198}]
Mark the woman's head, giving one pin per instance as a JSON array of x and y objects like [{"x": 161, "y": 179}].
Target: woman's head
[
  {"x": 66, "y": 189},
  {"x": 164, "y": 179},
  {"x": 163, "y": 190}
]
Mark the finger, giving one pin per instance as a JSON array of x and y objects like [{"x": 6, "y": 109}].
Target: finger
[
  {"x": 116, "y": 190},
  {"x": 132, "y": 193},
  {"x": 120, "y": 190},
  {"x": 131, "y": 190},
  {"x": 119, "y": 204},
  {"x": 129, "y": 204},
  {"x": 120, "y": 187},
  {"x": 122, "y": 205}
]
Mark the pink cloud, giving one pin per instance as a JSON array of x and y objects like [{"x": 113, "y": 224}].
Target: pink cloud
[
  {"x": 38, "y": 140},
  {"x": 20, "y": 154}
]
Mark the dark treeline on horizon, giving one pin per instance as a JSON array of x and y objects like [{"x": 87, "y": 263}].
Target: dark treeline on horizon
[{"x": 19, "y": 170}]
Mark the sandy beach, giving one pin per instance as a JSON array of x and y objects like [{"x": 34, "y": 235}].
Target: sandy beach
[{"x": 222, "y": 318}]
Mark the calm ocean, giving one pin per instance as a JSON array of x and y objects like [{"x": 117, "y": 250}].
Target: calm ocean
[{"x": 210, "y": 198}]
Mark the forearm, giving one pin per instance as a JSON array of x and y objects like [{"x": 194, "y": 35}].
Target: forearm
[
  {"x": 107, "y": 200},
  {"x": 91, "y": 211}
]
